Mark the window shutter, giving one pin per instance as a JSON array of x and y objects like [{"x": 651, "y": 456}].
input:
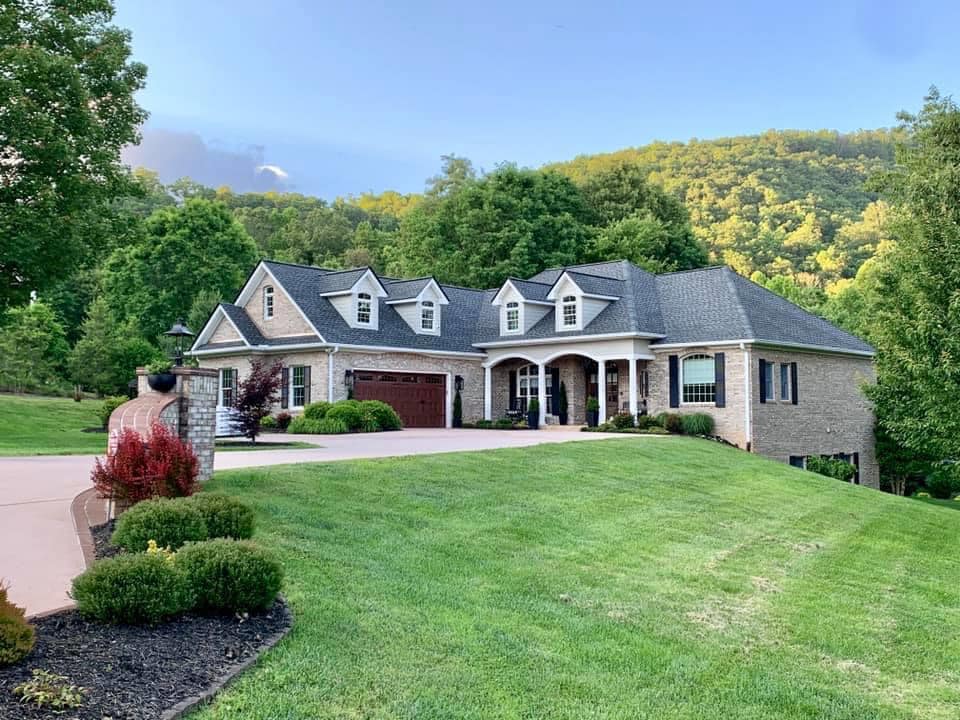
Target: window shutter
[
  {"x": 235, "y": 387},
  {"x": 794, "y": 397},
  {"x": 306, "y": 384},
  {"x": 512, "y": 400},
  {"x": 720, "y": 379},
  {"x": 674, "y": 381},
  {"x": 554, "y": 401},
  {"x": 763, "y": 381},
  {"x": 284, "y": 387}
]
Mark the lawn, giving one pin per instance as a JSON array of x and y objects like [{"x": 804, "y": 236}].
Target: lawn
[
  {"x": 624, "y": 578},
  {"x": 32, "y": 425}
]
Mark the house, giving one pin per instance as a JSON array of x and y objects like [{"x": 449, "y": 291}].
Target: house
[{"x": 777, "y": 380}]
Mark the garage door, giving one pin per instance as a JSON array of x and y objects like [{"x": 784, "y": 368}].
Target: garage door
[{"x": 420, "y": 400}]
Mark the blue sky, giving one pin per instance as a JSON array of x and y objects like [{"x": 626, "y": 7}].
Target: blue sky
[{"x": 347, "y": 97}]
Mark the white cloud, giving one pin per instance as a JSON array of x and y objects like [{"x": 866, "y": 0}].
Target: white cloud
[{"x": 279, "y": 172}]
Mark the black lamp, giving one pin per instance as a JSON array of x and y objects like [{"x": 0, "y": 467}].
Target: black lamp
[
  {"x": 458, "y": 383},
  {"x": 348, "y": 378},
  {"x": 179, "y": 331}
]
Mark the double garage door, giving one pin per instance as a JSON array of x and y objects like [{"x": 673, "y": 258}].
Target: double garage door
[{"x": 419, "y": 399}]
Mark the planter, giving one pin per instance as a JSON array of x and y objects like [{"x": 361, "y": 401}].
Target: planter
[
  {"x": 563, "y": 418},
  {"x": 593, "y": 418},
  {"x": 162, "y": 382},
  {"x": 533, "y": 419}
]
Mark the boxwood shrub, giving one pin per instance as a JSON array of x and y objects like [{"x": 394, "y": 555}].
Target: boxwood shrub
[
  {"x": 384, "y": 416},
  {"x": 171, "y": 522},
  {"x": 135, "y": 589},
  {"x": 622, "y": 420},
  {"x": 230, "y": 575},
  {"x": 349, "y": 412},
  {"x": 17, "y": 636},
  {"x": 224, "y": 516},
  {"x": 670, "y": 421},
  {"x": 316, "y": 410}
]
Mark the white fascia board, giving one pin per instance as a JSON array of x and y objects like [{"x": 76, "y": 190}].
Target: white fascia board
[
  {"x": 208, "y": 329},
  {"x": 439, "y": 294},
  {"x": 568, "y": 339},
  {"x": 274, "y": 349},
  {"x": 497, "y": 299},
  {"x": 765, "y": 343},
  {"x": 552, "y": 294},
  {"x": 609, "y": 298}
]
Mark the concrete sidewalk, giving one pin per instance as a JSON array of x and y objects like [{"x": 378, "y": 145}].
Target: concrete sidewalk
[{"x": 40, "y": 552}]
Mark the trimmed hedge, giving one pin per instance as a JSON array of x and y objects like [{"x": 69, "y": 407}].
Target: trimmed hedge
[
  {"x": 171, "y": 522},
  {"x": 322, "y": 418},
  {"x": 230, "y": 575},
  {"x": 135, "y": 589},
  {"x": 224, "y": 516},
  {"x": 317, "y": 410}
]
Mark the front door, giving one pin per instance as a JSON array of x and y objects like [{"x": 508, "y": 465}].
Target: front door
[{"x": 613, "y": 387}]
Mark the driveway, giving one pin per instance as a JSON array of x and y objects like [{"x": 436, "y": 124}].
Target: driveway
[{"x": 39, "y": 549}]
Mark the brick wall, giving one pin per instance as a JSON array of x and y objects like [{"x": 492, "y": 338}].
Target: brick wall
[{"x": 286, "y": 321}]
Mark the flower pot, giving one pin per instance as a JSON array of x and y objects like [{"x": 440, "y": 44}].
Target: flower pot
[
  {"x": 162, "y": 382},
  {"x": 533, "y": 419},
  {"x": 593, "y": 418},
  {"x": 563, "y": 418}
]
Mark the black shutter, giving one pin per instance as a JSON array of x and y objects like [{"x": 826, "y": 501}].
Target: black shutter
[
  {"x": 306, "y": 384},
  {"x": 235, "y": 388},
  {"x": 763, "y": 381},
  {"x": 554, "y": 401},
  {"x": 674, "y": 381},
  {"x": 720, "y": 378},
  {"x": 794, "y": 396},
  {"x": 284, "y": 387},
  {"x": 856, "y": 464},
  {"x": 512, "y": 400}
]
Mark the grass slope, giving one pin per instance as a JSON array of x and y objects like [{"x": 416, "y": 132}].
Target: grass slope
[
  {"x": 31, "y": 425},
  {"x": 627, "y": 578}
]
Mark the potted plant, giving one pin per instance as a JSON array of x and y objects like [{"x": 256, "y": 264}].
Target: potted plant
[
  {"x": 160, "y": 377},
  {"x": 457, "y": 410},
  {"x": 593, "y": 411},
  {"x": 533, "y": 413},
  {"x": 562, "y": 404}
]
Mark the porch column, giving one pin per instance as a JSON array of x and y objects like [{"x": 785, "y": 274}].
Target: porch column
[
  {"x": 633, "y": 386},
  {"x": 487, "y": 393},
  {"x": 602, "y": 390},
  {"x": 542, "y": 391}
]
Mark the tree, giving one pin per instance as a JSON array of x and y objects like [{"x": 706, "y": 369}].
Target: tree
[
  {"x": 185, "y": 251},
  {"x": 917, "y": 327},
  {"x": 203, "y": 306},
  {"x": 66, "y": 92},
  {"x": 33, "y": 349},
  {"x": 257, "y": 393}
]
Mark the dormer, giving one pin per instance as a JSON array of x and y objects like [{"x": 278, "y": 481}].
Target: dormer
[
  {"x": 522, "y": 305},
  {"x": 355, "y": 294},
  {"x": 576, "y": 301},
  {"x": 420, "y": 304}
]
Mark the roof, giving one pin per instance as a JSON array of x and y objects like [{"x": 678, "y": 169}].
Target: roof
[{"x": 708, "y": 305}]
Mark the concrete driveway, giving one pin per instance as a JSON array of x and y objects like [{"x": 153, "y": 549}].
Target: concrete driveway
[{"x": 39, "y": 549}]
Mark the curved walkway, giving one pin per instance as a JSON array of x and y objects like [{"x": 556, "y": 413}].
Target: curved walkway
[{"x": 39, "y": 549}]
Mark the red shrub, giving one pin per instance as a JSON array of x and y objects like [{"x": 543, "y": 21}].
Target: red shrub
[{"x": 137, "y": 470}]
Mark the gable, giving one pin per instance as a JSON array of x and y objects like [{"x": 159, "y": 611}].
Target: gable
[
  {"x": 224, "y": 331},
  {"x": 287, "y": 320}
]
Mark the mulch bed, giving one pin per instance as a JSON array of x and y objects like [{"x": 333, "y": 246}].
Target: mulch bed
[
  {"x": 139, "y": 673},
  {"x": 101, "y": 539}
]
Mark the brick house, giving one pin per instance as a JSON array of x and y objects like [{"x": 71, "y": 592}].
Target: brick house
[{"x": 777, "y": 380}]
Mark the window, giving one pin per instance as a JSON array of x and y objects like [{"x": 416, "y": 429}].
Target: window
[
  {"x": 784, "y": 381},
  {"x": 768, "y": 380},
  {"x": 364, "y": 309},
  {"x": 513, "y": 317},
  {"x": 699, "y": 379},
  {"x": 797, "y": 461},
  {"x": 298, "y": 386},
  {"x": 569, "y": 304},
  {"x": 528, "y": 384},
  {"x": 228, "y": 382},
  {"x": 426, "y": 315},
  {"x": 267, "y": 302}
]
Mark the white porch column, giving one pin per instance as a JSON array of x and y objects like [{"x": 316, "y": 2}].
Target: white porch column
[
  {"x": 633, "y": 386},
  {"x": 542, "y": 392},
  {"x": 487, "y": 393},
  {"x": 602, "y": 390}
]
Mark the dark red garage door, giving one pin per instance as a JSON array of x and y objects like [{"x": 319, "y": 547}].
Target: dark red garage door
[{"x": 419, "y": 399}]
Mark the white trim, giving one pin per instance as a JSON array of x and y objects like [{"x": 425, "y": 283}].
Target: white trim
[
  {"x": 353, "y": 288},
  {"x": 487, "y": 393},
  {"x": 330, "y": 353},
  {"x": 761, "y": 343},
  {"x": 274, "y": 349},
  {"x": 498, "y": 301},
  {"x": 209, "y": 327},
  {"x": 748, "y": 402},
  {"x": 568, "y": 339},
  {"x": 688, "y": 356},
  {"x": 431, "y": 284},
  {"x": 251, "y": 285}
]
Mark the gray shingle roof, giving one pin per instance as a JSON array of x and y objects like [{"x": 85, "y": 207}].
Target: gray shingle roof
[{"x": 705, "y": 305}]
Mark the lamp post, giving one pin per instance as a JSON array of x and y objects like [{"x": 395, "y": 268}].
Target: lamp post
[{"x": 179, "y": 331}]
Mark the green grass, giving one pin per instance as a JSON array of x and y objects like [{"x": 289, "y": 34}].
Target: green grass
[
  {"x": 234, "y": 445},
  {"x": 32, "y": 425},
  {"x": 625, "y": 578}
]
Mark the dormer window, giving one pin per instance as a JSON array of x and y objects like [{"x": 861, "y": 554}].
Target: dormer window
[
  {"x": 569, "y": 309},
  {"x": 427, "y": 315},
  {"x": 513, "y": 317},
  {"x": 364, "y": 308},
  {"x": 268, "y": 302}
]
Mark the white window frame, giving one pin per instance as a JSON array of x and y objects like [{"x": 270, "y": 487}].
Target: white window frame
[
  {"x": 785, "y": 380},
  {"x": 711, "y": 393},
  {"x": 364, "y": 305},
  {"x": 528, "y": 378},
  {"x": 569, "y": 302},
  {"x": 223, "y": 387},
  {"x": 294, "y": 387},
  {"x": 508, "y": 308},
  {"x": 428, "y": 313},
  {"x": 268, "y": 302}
]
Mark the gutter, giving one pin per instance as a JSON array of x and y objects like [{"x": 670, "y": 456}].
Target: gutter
[
  {"x": 330, "y": 353},
  {"x": 748, "y": 399}
]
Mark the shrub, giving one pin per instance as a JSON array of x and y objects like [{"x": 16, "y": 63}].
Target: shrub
[
  {"x": 137, "y": 470},
  {"x": 606, "y": 427},
  {"x": 49, "y": 690},
  {"x": 385, "y": 416},
  {"x": 696, "y": 424},
  {"x": 503, "y": 424},
  {"x": 317, "y": 410},
  {"x": 224, "y": 516},
  {"x": 831, "y": 467},
  {"x": 457, "y": 410},
  {"x": 622, "y": 420},
  {"x": 327, "y": 426},
  {"x": 268, "y": 422},
  {"x": 303, "y": 425},
  {"x": 942, "y": 482},
  {"x": 349, "y": 412},
  {"x": 257, "y": 392},
  {"x": 593, "y": 405},
  {"x": 670, "y": 421},
  {"x": 170, "y": 522},
  {"x": 16, "y": 634},
  {"x": 107, "y": 407},
  {"x": 647, "y": 421},
  {"x": 484, "y": 424},
  {"x": 139, "y": 588},
  {"x": 230, "y": 575},
  {"x": 283, "y": 420}
]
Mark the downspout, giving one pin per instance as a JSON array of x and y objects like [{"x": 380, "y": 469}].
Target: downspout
[
  {"x": 748, "y": 400},
  {"x": 330, "y": 353}
]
